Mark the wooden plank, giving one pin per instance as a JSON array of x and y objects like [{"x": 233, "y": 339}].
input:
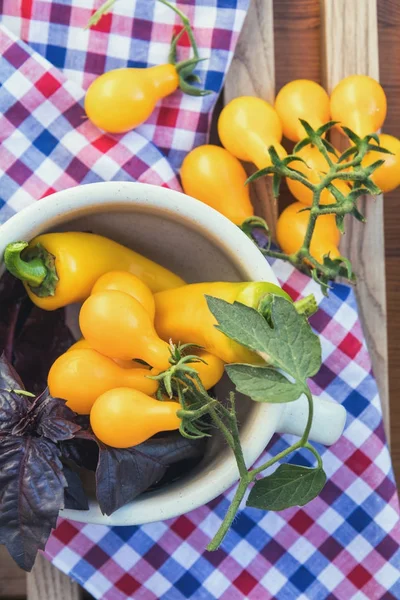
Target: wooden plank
[
  {"x": 297, "y": 41},
  {"x": 12, "y": 578},
  {"x": 389, "y": 55},
  {"x": 351, "y": 47},
  {"x": 252, "y": 73},
  {"x": 46, "y": 582}
]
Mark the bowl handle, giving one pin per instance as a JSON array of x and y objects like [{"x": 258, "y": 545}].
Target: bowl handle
[{"x": 328, "y": 422}]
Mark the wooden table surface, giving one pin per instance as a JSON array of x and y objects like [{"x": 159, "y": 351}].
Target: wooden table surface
[
  {"x": 298, "y": 30},
  {"x": 298, "y": 36}
]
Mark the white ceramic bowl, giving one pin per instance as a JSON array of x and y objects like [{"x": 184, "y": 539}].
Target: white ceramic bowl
[{"x": 199, "y": 244}]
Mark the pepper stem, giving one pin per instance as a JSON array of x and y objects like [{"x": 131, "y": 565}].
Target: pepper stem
[
  {"x": 33, "y": 272},
  {"x": 306, "y": 306}
]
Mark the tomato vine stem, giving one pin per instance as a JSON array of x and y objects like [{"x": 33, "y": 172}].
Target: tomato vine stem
[
  {"x": 184, "y": 68},
  {"x": 346, "y": 167},
  {"x": 181, "y": 379},
  {"x": 186, "y": 25}
]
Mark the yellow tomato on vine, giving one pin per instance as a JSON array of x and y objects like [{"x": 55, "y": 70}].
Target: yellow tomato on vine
[{"x": 314, "y": 171}]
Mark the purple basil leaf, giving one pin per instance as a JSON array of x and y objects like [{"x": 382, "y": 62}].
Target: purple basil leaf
[
  {"x": 11, "y": 290},
  {"x": 176, "y": 470},
  {"x": 31, "y": 495},
  {"x": 13, "y": 409},
  {"x": 47, "y": 417},
  {"x": 170, "y": 448},
  {"x": 74, "y": 495},
  {"x": 135, "y": 469},
  {"x": 82, "y": 450},
  {"x": 43, "y": 338},
  {"x": 9, "y": 378},
  {"x": 139, "y": 467},
  {"x": 84, "y": 422},
  {"x": 54, "y": 420},
  {"x": 12, "y": 296}
]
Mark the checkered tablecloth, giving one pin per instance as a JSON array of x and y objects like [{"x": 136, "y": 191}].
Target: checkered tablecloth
[{"x": 345, "y": 544}]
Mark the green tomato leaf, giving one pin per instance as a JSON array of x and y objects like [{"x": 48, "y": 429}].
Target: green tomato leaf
[
  {"x": 347, "y": 154},
  {"x": 307, "y": 128},
  {"x": 263, "y": 384},
  {"x": 329, "y": 146},
  {"x": 371, "y": 168},
  {"x": 287, "y": 343},
  {"x": 371, "y": 187},
  {"x": 374, "y": 148},
  {"x": 302, "y": 144},
  {"x": 340, "y": 223},
  {"x": 324, "y": 128},
  {"x": 352, "y": 136},
  {"x": 289, "y": 485}
]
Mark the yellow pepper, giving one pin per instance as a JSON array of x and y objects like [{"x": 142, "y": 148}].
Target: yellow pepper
[
  {"x": 61, "y": 268},
  {"x": 183, "y": 315}
]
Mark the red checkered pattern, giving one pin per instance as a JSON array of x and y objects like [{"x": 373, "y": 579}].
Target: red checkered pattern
[
  {"x": 342, "y": 546},
  {"x": 135, "y": 33}
]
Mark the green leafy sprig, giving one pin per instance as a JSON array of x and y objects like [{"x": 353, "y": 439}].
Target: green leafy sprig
[
  {"x": 346, "y": 167},
  {"x": 292, "y": 353},
  {"x": 184, "y": 68}
]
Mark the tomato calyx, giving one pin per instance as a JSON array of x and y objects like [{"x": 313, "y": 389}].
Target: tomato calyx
[
  {"x": 182, "y": 380},
  {"x": 185, "y": 68},
  {"x": 187, "y": 77},
  {"x": 316, "y": 252}
]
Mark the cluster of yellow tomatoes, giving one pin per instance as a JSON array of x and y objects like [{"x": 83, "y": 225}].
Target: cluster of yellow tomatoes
[
  {"x": 97, "y": 375},
  {"x": 131, "y": 309},
  {"x": 248, "y": 126},
  {"x": 122, "y": 99}
]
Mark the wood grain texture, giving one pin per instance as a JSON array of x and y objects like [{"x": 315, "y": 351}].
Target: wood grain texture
[
  {"x": 350, "y": 46},
  {"x": 389, "y": 59},
  {"x": 46, "y": 582},
  {"x": 12, "y": 579},
  {"x": 297, "y": 33},
  {"x": 252, "y": 73},
  {"x": 297, "y": 40}
]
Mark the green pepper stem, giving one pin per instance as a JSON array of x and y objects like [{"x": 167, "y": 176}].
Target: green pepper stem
[
  {"x": 306, "y": 306},
  {"x": 33, "y": 272}
]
